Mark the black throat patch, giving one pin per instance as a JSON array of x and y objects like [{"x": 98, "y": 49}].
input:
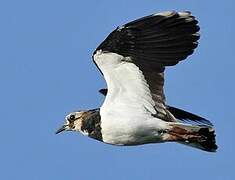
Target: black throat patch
[{"x": 91, "y": 124}]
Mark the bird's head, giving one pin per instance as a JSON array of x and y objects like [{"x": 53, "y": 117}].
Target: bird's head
[{"x": 73, "y": 122}]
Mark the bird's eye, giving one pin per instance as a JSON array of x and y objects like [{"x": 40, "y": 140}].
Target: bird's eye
[{"x": 71, "y": 117}]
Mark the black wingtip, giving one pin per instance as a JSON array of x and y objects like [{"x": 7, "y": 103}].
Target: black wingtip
[
  {"x": 188, "y": 117},
  {"x": 103, "y": 91},
  {"x": 165, "y": 38}
]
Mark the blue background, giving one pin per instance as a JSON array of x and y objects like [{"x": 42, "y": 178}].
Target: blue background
[{"x": 46, "y": 71}]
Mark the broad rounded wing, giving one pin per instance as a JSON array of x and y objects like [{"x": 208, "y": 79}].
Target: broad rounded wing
[
  {"x": 163, "y": 38},
  {"x": 151, "y": 43}
]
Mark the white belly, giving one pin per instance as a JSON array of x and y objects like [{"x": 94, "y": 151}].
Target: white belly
[{"x": 132, "y": 131}]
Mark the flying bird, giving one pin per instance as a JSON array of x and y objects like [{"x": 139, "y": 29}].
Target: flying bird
[{"x": 132, "y": 60}]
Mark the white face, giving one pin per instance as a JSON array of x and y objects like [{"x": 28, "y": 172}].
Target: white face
[{"x": 72, "y": 122}]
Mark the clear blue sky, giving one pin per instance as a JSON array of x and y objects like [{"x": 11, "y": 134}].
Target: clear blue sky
[{"x": 46, "y": 71}]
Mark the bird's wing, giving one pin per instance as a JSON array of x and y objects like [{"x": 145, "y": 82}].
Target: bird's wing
[{"x": 133, "y": 58}]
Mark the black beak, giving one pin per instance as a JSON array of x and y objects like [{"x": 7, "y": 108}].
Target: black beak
[{"x": 63, "y": 128}]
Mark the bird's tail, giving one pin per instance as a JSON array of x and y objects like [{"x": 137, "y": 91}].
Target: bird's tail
[{"x": 201, "y": 137}]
